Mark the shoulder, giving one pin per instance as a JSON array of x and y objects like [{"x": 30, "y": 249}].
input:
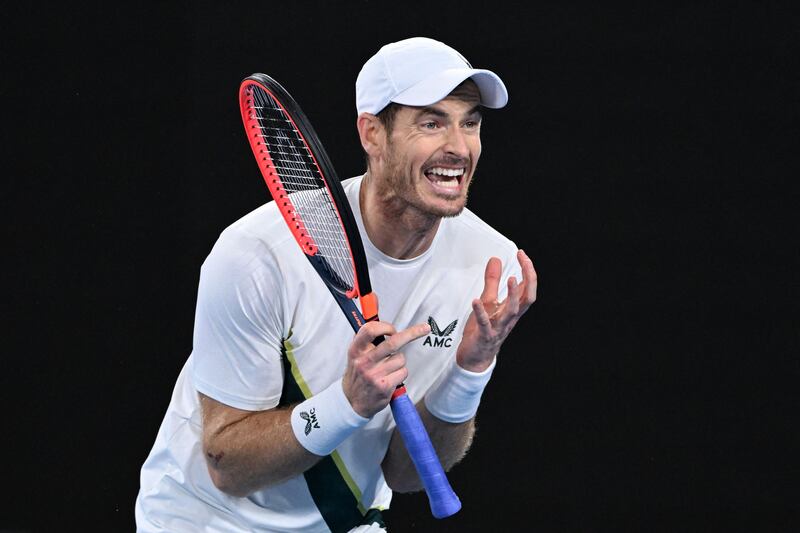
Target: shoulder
[
  {"x": 263, "y": 232},
  {"x": 468, "y": 231},
  {"x": 251, "y": 260},
  {"x": 469, "y": 244},
  {"x": 257, "y": 238}
]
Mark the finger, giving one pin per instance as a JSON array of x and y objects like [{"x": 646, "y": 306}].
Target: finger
[
  {"x": 371, "y": 331},
  {"x": 396, "y": 378},
  {"x": 491, "y": 280},
  {"x": 395, "y": 342},
  {"x": 482, "y": 318},
  {"x": 392, "y": 363},
  {"x": 530, "y": 283},
  {"x": 511, "y": 307}
]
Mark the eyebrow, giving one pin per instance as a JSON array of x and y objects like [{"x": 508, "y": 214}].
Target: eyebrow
[{"x": 441, "y": 114}]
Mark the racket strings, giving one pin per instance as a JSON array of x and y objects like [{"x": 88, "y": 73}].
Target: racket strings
[{"x": 304, "y": 186}]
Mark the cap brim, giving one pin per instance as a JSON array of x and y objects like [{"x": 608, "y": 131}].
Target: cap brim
[{"x": 429, "y": 91}]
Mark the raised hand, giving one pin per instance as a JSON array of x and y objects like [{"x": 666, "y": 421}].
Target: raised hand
[{"x": 491, "y": 321}]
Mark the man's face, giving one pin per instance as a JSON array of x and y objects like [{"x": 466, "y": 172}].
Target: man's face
[{"x": 432, "y": 152}]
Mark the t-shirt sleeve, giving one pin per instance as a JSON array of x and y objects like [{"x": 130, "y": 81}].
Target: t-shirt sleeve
[{"x": 238, "y": 330}]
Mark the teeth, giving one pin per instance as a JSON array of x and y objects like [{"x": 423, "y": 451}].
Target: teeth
[{"x": 451, "y": 172}]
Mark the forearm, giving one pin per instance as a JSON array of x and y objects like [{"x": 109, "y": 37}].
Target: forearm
[
  {"x": 451, "y": 442},
  {"x": 252, "y": 450},
  {"x": 448, "y": 413}
]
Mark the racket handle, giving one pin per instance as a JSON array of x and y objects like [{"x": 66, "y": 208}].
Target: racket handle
[{"x": 443, "y": 500}]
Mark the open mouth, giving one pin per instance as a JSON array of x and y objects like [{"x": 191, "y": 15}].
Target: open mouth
[{"x": 446, "y": 178}]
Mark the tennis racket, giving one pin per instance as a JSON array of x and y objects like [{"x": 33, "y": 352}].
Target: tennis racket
[{"x": 301, "y": 180}]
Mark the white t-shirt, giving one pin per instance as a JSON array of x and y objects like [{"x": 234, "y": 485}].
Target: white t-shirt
[{"x": 260, "y": 302}]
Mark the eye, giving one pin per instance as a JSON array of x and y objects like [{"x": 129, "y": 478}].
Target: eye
[
  {"x": 430, "y": 125},
  {"x": 472, "y": 124}
]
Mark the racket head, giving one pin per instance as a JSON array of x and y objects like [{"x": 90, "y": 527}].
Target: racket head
[{"x": 303, "y": 183}]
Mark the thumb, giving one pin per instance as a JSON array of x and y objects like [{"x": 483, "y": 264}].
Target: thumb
[{"x": 491, "y": 279}]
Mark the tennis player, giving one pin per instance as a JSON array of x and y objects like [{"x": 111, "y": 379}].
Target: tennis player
[{"x": 240, "y": 448}]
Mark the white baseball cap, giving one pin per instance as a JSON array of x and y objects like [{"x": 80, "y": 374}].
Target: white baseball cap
[{"x": 418, "y": 72}]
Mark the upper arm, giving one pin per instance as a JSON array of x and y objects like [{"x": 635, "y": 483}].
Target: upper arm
[{"x": 239, "y": 326}]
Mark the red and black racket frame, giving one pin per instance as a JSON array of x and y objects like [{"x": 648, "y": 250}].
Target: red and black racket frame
[{"x": 362, "y": 287}]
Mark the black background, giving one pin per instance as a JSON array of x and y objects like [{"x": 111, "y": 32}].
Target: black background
[{"x": 645, "y": 162}]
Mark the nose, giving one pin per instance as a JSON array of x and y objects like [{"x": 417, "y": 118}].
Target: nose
[{"x": 456, "y": 143}]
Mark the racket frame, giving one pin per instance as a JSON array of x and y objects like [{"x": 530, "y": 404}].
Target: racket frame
[{"x": 362, "y": 287}]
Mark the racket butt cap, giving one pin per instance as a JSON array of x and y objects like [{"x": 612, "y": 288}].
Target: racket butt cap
[{"x": 445, "y": 506}]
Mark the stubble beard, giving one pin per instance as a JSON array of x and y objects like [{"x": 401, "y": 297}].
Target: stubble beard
[{"x": 402, "y": 193}]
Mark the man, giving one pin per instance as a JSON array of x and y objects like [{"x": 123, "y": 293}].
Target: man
[{"x": 279, "y": 419}]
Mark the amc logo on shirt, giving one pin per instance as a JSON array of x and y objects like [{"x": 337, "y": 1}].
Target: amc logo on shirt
[{"x": 440, "y": 338}]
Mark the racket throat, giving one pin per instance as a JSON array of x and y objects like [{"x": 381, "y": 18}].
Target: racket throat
[{"x": 369, "y": 306}]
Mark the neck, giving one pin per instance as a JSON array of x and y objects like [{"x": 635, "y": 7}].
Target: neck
[{"x": 396, "y": 228}]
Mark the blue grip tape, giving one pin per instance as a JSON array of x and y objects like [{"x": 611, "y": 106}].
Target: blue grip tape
[{"x": 443, "y": 500}]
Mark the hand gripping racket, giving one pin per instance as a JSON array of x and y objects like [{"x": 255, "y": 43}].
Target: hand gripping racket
[{"x": 301, "y": 180}]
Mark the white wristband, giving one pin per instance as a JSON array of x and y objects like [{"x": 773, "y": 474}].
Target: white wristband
[
  {"x": 456, "y": 393},
  {"x": 325, "y": 420}
]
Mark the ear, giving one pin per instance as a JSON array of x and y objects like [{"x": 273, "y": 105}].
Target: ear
[{"x": 371, "y": 133}]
